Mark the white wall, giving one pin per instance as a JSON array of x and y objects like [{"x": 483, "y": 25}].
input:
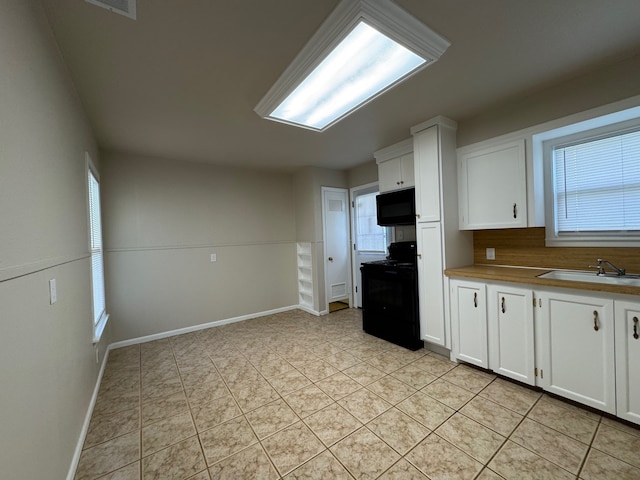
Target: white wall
[
  {"x": 162, "y": 221},
  {"x": 47, "y": 362},
  {"x": 603, "y": 86}
]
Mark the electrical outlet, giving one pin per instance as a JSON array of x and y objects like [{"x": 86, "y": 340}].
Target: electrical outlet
[
  {"x": 214, "y": 257},
  {"x": 53, "y": 291},
  {"x": 491, "y": 253}
]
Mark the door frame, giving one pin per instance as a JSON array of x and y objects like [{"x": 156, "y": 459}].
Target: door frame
[
  {"x": 352, "y": 246},
  {"x": 349, "y": 295}
]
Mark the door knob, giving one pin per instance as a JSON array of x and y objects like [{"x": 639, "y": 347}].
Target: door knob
[{"x": 331, "y": 259}]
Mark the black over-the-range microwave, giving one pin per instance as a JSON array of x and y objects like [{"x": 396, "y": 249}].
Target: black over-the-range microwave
[{"x": 396, "y": 208}]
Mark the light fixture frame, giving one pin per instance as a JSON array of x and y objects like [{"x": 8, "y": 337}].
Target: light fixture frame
[{"x": 383, "y": 15}]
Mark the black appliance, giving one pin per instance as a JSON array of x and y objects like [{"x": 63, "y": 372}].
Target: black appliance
[
  {"x": 396, "y": 208},
  {"x": 390, "y": 297}
]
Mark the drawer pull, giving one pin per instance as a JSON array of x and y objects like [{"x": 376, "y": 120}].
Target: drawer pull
[
  {"x": 595, "y": 321},
  {"x": 515, "y": 210},
  {"x": 635, "y": 328},
  {"x": 502, "y": 305},
  {"x": 475, "y": 304}
]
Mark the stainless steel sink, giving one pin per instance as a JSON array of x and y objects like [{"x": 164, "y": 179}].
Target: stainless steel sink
[{"x": 592, "y": 277}]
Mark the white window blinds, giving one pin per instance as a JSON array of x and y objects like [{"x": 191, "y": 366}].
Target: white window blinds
[
  {"x": 597, "y": 185},
  {"x": 97, "y": 269}
]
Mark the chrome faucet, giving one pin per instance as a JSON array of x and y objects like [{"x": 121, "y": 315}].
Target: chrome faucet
[{"x": 601, "y": 271}]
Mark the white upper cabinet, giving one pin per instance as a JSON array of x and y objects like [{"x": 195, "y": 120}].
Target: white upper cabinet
[
  {"x": 427, "y": 168},
  {"x": 395, "y": 166},
  {"x": 492, "y": 186}
]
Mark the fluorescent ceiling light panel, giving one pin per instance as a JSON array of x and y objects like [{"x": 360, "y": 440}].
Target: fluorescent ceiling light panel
[
  {"x": 363, "y": 49},
  {"x": 123, "y": 7}
]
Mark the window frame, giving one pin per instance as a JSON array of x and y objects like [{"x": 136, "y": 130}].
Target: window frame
[
  {"x": 606, "y": 126},
  {"x": 99, "y": 325}
]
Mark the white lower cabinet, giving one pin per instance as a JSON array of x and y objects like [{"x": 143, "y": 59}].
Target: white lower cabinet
[
  {"x": 628, "y": 360},
  {"x": 582, "y": 347},
  {"x": 431, "y": 283},
  {"x": 575, "y": 348},
  {"x": 469, "y": 322},
  {"x": 511, "y": 332}
]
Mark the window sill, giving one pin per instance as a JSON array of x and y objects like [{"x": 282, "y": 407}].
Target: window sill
[{"x": 99, "y": 328}]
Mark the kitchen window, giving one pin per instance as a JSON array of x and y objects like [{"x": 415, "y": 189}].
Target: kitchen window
[
  {"x": 99, "y": 311},
  {"x": 592, "y": 180}
]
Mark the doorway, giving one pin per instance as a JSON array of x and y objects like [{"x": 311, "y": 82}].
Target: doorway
[
  {"x": 369, "y": 240},
  {"x": 335, "y": 220}
]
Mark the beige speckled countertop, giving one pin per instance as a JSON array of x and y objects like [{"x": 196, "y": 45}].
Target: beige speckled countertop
[{"x": 530, "y": 276}]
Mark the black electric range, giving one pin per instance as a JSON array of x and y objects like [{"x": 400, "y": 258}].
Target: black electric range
[{"x": 390, "y": 297}]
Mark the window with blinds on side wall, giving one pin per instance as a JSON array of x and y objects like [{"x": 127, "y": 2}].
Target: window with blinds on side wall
[
  {"x": 594, "y": 185},
  {"x": 100, "y": 316}
]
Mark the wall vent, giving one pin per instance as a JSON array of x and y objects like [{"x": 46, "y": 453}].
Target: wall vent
[{"x": 123, "y": 7}]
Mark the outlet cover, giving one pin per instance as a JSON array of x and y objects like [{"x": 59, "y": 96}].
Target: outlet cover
[
  {"x": 214, "y": 257},
  {"x": 491, "y": 253}
]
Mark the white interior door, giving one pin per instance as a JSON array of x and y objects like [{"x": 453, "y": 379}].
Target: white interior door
[
  {"x": 369, "y": 240},
  {"x": 335, "y": 214}
]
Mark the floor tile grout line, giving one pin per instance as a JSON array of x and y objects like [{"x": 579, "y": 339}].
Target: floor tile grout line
[
  {"x": 593, "y": 437},
  {"x": 526, "y": 417}
]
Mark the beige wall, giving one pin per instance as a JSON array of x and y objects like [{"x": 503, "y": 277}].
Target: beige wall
[
  {"x": 362, "y": 174},
  {"x": 606, "y": 85},
  {"x": 48, "y": 366},
  {"x": 162, "y": 221}
]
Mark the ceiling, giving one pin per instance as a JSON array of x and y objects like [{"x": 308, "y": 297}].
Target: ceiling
[{"x": 182, "y": 80}]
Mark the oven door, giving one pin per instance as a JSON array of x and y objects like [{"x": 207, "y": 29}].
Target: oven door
[{"x": 390, "y": 304}]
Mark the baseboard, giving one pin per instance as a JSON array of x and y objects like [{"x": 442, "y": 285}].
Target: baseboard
[
  {"x": 87, "y": 419},
  {"x": 309, "y": 310},
  {"x": 202, "y": 326},
  {"x": 445, "y": 352}
]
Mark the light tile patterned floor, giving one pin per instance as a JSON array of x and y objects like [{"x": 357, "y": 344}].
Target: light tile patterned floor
[{"x": 296, "y": 396}]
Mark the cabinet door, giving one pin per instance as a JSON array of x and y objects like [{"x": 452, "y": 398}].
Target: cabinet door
[
  {"x": 576, "y": 354},
  {"x": 492, "y": 187},
  {"x": 390, "y": 175},
  {"x": 426, "y": 157},
  {"x": 431, "y": 284},
  {"x": 469, "y": 322},
  {"x": 511, "y": 340},
  {"x": 628, "y": 360},
  {"x": 408, "y": 176}
]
